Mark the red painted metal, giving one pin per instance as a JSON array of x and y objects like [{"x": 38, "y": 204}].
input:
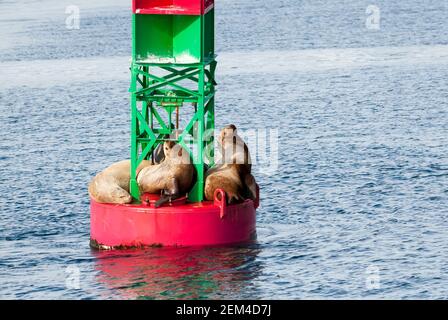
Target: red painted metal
[
  {"x": 178, "y": 224},
  {"x": 179, "y": 7}
]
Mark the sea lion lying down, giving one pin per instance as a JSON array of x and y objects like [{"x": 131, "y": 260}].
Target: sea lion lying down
[
  {"x": 172, "y": 173},
  {"x": 233, "y": 173},
  {"x": 112, "y": 184}
]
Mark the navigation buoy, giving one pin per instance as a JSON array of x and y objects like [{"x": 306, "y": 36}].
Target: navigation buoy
[{"x": 173, "y": 67}]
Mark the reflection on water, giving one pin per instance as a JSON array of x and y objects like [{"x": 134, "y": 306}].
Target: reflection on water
[{"x": 179, "y": 273}]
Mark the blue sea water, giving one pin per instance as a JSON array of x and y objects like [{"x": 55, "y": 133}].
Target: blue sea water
[{"x": 357, "y": 208}]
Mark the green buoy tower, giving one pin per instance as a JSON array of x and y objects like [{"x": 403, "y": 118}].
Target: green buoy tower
[{"x": 172, "y": 75}]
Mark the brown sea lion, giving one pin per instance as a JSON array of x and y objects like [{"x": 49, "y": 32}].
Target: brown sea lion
[
  {"x": 233, "y": 174},
  {"x": 173, "y": 177},
  {"x": 112, "y": 184}
]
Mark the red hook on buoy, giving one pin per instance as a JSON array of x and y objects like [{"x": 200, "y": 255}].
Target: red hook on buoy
[{"x": 220, "y": 201}]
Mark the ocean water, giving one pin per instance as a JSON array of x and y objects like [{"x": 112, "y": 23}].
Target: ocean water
[{"x": 356, "y": 208}]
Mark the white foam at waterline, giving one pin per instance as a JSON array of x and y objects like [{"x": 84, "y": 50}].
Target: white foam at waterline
[{"x": 47, "y": 73}]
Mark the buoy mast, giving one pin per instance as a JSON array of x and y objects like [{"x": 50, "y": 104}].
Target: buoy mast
[{"x": 173, "y": 67}]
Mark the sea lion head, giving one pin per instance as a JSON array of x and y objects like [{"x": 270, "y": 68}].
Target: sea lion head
[
  {"x": 228, "y": 133},
  {"x": 167, "y": 147},
  {"x": 176, "y": 153},
  {"x": 120, "y": 195},
  {"x": 232, "y": 148}
]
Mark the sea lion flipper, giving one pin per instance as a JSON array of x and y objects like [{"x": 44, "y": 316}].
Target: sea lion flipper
[
  {"x": 251, "y": 186},
  {"x": 162, "y": 200},
  {"x": 171, "y": 192}
]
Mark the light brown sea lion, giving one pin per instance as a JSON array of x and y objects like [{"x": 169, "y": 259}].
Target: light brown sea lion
[
  {"x": 112, "y": 184},
  {"x": 173, "y": 177},
  {"x": 233, "y": 172}
]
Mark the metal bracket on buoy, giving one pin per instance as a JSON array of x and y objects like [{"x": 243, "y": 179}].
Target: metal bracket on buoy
[{"x": 220, "y": 201}]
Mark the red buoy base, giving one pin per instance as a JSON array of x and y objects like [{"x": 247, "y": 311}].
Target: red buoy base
[
  {"x": 174, "y": 7},
  {"x": 176, "y": 224}
]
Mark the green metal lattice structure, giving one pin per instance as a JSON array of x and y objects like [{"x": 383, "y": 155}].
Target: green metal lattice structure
[{"x": 173, "y": 68}]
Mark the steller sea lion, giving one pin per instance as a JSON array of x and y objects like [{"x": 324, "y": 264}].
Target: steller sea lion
[
  {"x": 173, "y": 177},
  {"x": 112, "y": 184},
  {"x": 233, "y": 173}
]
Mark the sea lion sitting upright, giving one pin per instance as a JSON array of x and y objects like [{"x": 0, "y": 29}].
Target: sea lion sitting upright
[
  {"x": 233, "y": 174},
  {"x": 173, "y": 177},
  {"x": 112, "y": 184}
]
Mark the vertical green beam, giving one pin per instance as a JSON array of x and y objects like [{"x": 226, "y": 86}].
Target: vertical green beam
[
  {"x": 134, "y": 190},
  {"x": 133, "y": 186},
  {"x": 210, "y": 127},
  {"x": 200, "y": 144},
  {"x": 197, "y": 193},
  {"x": 211, "y": 118},
  {"x": 145, "y": 112},
  {"x": 199, "y": 188}
]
